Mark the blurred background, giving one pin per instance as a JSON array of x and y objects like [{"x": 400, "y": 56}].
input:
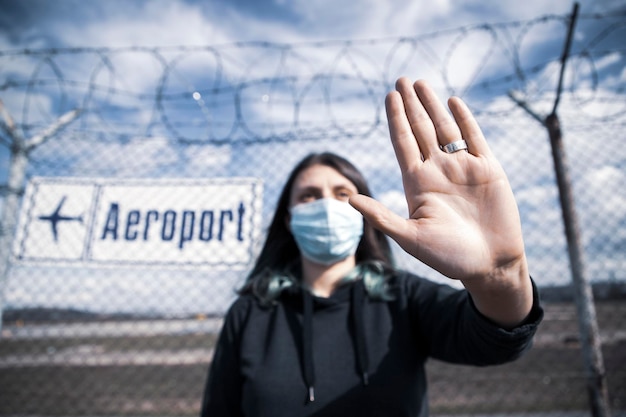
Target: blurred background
[{"x": 144, "y": 145}]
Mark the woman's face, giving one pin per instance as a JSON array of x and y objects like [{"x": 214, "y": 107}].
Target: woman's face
[{"x": 320, "y": 181}]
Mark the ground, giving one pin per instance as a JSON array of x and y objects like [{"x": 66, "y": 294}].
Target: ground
[{"x": 142, "y": 373}]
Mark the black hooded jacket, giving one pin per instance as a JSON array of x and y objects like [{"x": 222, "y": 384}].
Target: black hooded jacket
[{"x": 350, "y": 355}]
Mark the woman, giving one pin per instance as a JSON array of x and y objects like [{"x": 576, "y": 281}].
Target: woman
[{"x": 325, "y": 326}]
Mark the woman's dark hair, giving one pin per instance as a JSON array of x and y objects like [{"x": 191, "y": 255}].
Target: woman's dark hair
[{"x": 280, "y": 252}]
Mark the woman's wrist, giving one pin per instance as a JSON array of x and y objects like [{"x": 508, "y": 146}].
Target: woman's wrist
[{"x": 504, "y": 296}]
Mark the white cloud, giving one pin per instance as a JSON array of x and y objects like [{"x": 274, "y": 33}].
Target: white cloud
[
  {"x": 608, "y": 60},
  {"x": 136, "y": 158},
  {"x": 205, "y": 159},
  {"x": 605, "y": 181},
  {"x": 154, "y": 23},
  {"x": 170, "y": 23}
]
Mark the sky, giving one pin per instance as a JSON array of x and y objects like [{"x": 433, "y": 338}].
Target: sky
[
  {"x": 44, "y": 24},
  {"x": 116, "y": 23}
]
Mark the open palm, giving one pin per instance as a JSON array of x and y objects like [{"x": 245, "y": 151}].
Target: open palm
[{"x": 463, "y": 220}]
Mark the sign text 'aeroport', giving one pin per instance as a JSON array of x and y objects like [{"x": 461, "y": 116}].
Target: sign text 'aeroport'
[{"x": 205, "y": 222}]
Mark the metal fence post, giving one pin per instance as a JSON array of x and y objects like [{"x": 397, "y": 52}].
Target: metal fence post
[
  {"x": 20, "y": 147},
  {"x": 583, "y": 294}
]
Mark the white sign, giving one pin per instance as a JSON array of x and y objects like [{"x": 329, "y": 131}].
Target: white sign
[{"x": 158, "y": 222}]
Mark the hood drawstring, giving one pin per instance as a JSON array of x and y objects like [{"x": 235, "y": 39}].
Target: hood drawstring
[
  {"x": 357, "y": 293},
  {"x": 358, "y": 298},
  {"x": 307, "y": 344}
]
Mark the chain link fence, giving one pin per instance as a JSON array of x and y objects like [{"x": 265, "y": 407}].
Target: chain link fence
[{"x": 128, "y": 329}]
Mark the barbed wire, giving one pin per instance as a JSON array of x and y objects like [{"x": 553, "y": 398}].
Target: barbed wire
[{"x": 265, "y": 92}]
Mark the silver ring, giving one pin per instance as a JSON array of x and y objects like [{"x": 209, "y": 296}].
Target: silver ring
[{"x": 456, "y": 146}]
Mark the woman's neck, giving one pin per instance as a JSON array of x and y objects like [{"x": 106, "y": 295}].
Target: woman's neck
[{"x": 322, "y": 280}]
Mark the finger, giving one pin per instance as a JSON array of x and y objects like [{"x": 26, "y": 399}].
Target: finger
[
  {"x": 380, "y": 217},
  {"x": 446, "y": 128},
  {"x": 421, "y": 124},
  {"x": 404, "y": 144},
  {"x": 470, "y": 130}
]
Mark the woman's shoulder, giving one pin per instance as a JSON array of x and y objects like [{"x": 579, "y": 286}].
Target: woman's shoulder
[
  {"x": 247, "y": 304},
  {"x": 240, "y": 308},
  {"x": 242, "y": 301}
]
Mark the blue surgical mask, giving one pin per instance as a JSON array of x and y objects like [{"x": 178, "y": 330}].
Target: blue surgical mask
[{"x": 326, "y": 230}]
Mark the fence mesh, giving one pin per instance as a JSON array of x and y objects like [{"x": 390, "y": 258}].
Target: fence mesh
[{"x": 92, "y": 338}]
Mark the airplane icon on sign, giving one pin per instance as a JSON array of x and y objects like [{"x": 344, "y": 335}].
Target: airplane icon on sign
[{"x": 57, "y": 217}]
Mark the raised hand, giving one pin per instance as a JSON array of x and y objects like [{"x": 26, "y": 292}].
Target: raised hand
[{"x": 463, "y": 220}]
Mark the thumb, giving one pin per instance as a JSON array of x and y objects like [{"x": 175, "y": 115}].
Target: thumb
[{"x": 379, "y": 216}]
